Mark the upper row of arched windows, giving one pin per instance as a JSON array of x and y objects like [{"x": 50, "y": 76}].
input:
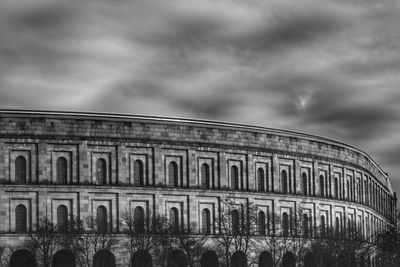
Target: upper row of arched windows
[
  {"x": 21, "y": 170},
  {"x": 237, "y": 182}
]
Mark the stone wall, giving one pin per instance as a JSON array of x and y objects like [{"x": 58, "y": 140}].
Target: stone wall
[{"x": 82, "y": 139}]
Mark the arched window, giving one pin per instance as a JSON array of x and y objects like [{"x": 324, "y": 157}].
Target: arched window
[
  {"x": 321, "y": 186},
  {"x": 205, "y": 176},
  {"x": 323, "y": 227},
  {"x": 102, "y": 220},
  {"x": 174, "y": 219},
  {"x": 260, "y": 178},
  {"x": 336, "y": 188},
  {"x": 138, "y": 215},
  {"x": 337, "y": 227},
  {"x": 20, "y": 219},
  {"x": 362, "y": 197},
  {"x": 285, "y": 224},
  {"x": 141, "y": 258},
  {"x": 304, "y": 182},
  {"x": 101, "y": 171},
  {"x": 103, "y": 258},
  {"x": 177, "y": 258},
  {"x": 239, "y": 259},
  {"x": 261, "y": 223},
  {"x": 305, "y": 225},
  {"x": 284, "y": 182},
  {"x": 173, "y": 174},
  {"x": 288, "y": 260},
  {"x": 138, "y": 173},
  {"x": 309, "y": 260},
  {"x": 23, "y": 258},
  {"x": 349, "y": 228},
  {"x": 62, "y": 170},
  {"x": 206, "y": 221},
  {"x": 235, "y": 221},
  {"x": 235, "y": 177},
  {"x": 265, "y": 259},
  {"x": 209, "y": 259},
  {"x": 63, "y": 258},
  {"x": 20, "y": 170},
  {"x": 62, "y": 218}
]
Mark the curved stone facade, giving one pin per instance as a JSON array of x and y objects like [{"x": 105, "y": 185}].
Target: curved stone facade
[{"x": 52, "y": 162}]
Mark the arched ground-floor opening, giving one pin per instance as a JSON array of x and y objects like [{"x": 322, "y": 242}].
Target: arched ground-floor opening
[
  {"x": 103, "y": 258},
  {"x": 239, "y": 259},
  {"x": 209, "y": 259},
  {"x": 368, "y": 261},
  {"x": 341, "y": 261},
  {"x": 177, "y": 259},
  {"x": 141, "y": 258},
  {"x": 63, "y": 258},
  {"x": 288, "y": 260},
  {"x": 362, "y": 262},
  {"x": 309, "y": 260},
  {"x": 265, "y": 259},
  {"x": 22, "y": 258}
]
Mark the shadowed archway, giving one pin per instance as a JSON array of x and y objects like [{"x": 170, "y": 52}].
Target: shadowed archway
[
  {"x": 265, "y": 259},
  {"x": 309, "y": 260},
  {"x": 177, "y": 259},
  {"x": 22, "y": 258},
  {"x": 141, "y": 258},
  {"x": 239, "y": 259},
  {"x": 103, "y": 258},
  {"x": 209, "y": 259},
  {"x": 288, "y": 260},
  {"x": 63, "y": 258}
]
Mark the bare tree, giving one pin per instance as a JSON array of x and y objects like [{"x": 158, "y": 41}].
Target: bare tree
[
  {"x": 138, "y": 233},
  {"x": 302, "y": 233},
  {"x": 275, "y": 240},
  {"x": 153, "y": 233},
  {"x": 5, "y": 257},
  {"x": 84, "y": 239},
  {"x": 73, "y": 238},
  {"x": 331, "y": 249},
  {"x": 192, "y": 241},
  {"x": 388, "y": 243},
  {"x": 44, "y": 242},
  {"x": 163, "y": 232},
  {"x": 236, "y": 227}
]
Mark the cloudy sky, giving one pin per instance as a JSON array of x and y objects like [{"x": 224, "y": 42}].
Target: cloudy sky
[{"x": 329, "y": 68}]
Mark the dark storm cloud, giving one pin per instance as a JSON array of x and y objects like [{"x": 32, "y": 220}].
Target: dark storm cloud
[
  {"x": 340, "y": 107},
  {"x": 391, "y": 156},
  {"x": 44, "y": 18},
  {"x": 286, "y": 28},
  {"x": 295, "y": 30}
]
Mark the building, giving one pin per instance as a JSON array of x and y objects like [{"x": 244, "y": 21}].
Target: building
[{"x": 63, "y": 164}]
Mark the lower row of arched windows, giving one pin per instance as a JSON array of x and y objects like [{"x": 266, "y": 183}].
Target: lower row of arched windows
[
  {"x": 264, "y": 222},
  {"x": 355, "y": 189},
  {"x": 177, "y": 258},
  {"x": 63, "y": 218}
]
